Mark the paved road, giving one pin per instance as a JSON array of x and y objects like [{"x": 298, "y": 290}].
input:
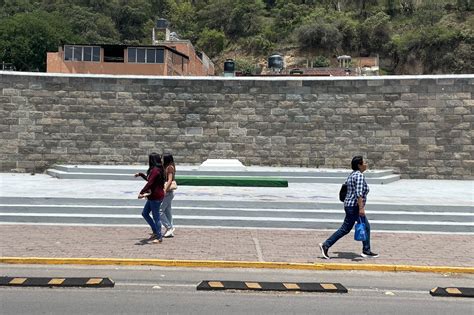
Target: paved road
[
  {"x": 232, "y": 213},
  {"x": 149, "y": 290}
]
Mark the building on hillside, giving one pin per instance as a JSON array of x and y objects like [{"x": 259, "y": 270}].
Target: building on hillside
[
  {"x": 168, "y": 57},
  {"x": 360, "y": 65}
]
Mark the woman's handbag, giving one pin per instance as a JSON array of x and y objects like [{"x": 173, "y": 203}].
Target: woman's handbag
[
  {"x": 173, "y": 186},
  {"x": 360, "y": 230}
]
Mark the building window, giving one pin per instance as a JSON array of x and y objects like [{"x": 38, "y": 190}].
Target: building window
[
  {"x": 141, "y": 55},
  {"x": 96, "y": 54},
  {"x": 145, "y": 55},
  {"x": 132, "y": 55},
  {"x": 67, "y": 52},
  {"x": 87, "y": 54},
  {"x": 150, "y": 56},
  {"x": 81, "y": 53},
  {"x": 160, "y": 55}
]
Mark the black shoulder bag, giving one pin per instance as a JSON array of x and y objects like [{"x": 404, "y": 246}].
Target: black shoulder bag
[{"x": 343, "y": 191}]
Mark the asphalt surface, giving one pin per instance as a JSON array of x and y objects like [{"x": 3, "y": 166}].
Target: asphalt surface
[{"x": 149, "y": 290}]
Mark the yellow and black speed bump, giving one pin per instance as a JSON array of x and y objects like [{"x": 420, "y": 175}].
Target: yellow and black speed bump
[
  {"x": 56, "y": 282},
  {"x": 272, "y": 286},
  {"x": 453, "y": 291}
]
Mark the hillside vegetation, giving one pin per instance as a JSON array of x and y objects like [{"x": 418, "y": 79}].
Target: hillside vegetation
[{"x": 410, "y": 36}]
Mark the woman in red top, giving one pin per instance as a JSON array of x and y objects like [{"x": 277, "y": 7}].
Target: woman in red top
[{"x": 154, "y": 192}]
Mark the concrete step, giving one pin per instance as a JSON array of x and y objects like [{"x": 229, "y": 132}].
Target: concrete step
[
  {"x": 293, "y": 175},
  {"x": 250, "y": 171},
  {"x": 84, "y": 211}
]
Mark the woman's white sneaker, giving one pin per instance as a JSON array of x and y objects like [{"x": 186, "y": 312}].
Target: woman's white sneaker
[{"x": 169, "y": 232}]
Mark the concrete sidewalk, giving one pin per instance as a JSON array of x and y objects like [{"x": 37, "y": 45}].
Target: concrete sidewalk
[
  {"x": 244, "y": 245},
  {"x": 227, "y": 244}
]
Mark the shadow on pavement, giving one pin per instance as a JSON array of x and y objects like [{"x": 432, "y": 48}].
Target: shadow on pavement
[{"x": 347, "y": 255}]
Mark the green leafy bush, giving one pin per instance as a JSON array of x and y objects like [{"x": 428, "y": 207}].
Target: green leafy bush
[
  {"x": 321, "y": 61},
  {"x": 319, "y": 35}
]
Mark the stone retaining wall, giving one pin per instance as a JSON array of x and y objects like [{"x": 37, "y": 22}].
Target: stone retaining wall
[{"x": 420, "y": 126}]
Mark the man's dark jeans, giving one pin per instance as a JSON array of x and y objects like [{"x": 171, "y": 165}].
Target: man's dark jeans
[{"x": 352, "y": 216}]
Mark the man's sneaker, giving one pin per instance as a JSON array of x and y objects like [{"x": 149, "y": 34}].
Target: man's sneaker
[
  {"x": 369, "y": 255},
  {"x": 169, "y": 232},
  {"x": 157, "y": 240},
  {"x": 324, "y": 250}
]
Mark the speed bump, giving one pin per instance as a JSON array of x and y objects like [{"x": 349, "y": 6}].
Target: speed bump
[
  {"x": 453, "y": 292},
  {"x": 271, "y": 286},
  {"x": 56, "y": 282}
]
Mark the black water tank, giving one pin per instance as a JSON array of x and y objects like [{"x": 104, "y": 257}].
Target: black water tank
[
  {"x": 275, "y": 62},
  {"x": 229, "y": 65},
  {"x": 162, "y": 23}
]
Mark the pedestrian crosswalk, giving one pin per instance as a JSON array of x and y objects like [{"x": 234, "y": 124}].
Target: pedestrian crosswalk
[{"x": 236, "y": 214}]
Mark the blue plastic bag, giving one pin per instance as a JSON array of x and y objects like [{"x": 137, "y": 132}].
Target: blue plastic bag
[{"x": 360, "y": 230}]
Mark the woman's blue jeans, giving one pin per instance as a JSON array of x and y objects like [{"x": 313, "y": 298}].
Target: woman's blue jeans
[
  {"x": 352, "y": 216},
  {"x": 153, "y": 206}
]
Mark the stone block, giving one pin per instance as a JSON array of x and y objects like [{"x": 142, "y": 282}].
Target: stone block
[{"x": 194, "y": 131}]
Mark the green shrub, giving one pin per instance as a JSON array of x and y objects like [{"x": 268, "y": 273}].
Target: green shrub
[
  {"x": 319, "y": 34},
  {"x": 321, "y": 61}
]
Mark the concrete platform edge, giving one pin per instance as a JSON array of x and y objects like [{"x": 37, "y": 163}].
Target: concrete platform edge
[{"x": 233, "y": 264}]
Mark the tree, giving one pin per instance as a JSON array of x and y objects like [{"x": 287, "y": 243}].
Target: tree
[
  {"x": 212, "y": 42},
  {"x": 287, "y": 17},
  {"x": 375, "y": 33},
  {"x": 391, "y": 7},
  {"x": 130, "y": 20},
  {"x": 12, "y": 7},
  {"x": 26, "y": 37},
  {"x": 430, "y": 12},
  {"x": 182, "y": 16},
  {"x": 318, "y": 34},
  {"x": 91, "y": 27},
  {"x": 237, "y": 18}
]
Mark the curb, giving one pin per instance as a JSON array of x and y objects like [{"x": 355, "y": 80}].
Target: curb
[
  {"x": 453, "y": 292},
  {"x": 232, "y": 264},
  {"x": 209, "y": 285},
  {"x": 56, "y": 282}
]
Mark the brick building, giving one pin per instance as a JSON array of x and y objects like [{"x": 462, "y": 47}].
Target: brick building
[{"x": 168, "y": 57}]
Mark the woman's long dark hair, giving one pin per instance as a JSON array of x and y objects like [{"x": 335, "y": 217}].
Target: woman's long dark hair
[
  {"x": 168, "y": 160},
  {"x": 154, "y": 160}
]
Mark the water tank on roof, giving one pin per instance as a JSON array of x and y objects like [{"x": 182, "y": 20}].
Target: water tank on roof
[
  {"x": 275, "y": 62},
  {"x": 162, "y": 23},
  {"x": 229, "y": 67}
]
